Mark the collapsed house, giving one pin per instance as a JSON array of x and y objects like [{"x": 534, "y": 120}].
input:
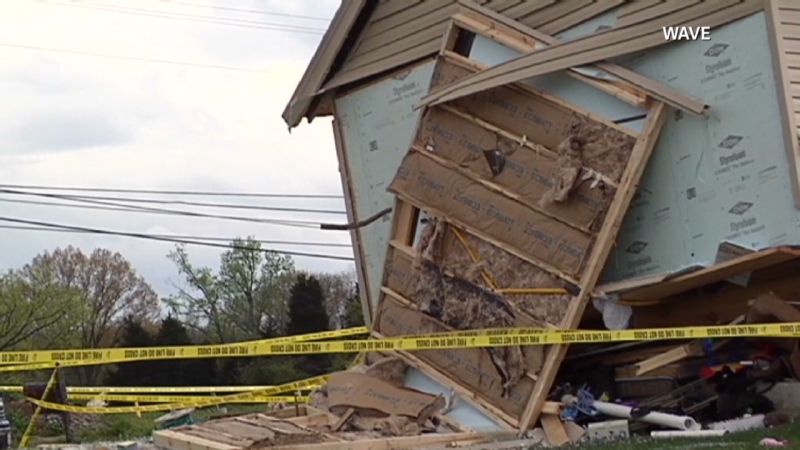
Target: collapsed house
[{"x": 555, "y": 165}]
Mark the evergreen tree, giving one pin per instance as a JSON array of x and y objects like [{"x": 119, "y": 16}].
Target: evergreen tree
[
  {"x": 354, "y": 315},
  {"x": 307, "y": 306},
  {"x": 133, "y": 373},
  {"x": 189, "y": 372},
  {"x": 307, "y": 315}
]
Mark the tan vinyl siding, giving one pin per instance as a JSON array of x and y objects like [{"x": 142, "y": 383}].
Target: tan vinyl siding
[
  {"x": 395, "y": 39},
  {"x": 788, "y": 32}
]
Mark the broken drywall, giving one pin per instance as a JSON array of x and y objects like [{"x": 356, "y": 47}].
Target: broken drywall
[
  {"x": 378, "y": 123},
  {"x": 458, "y": 410},
  {"x": 724, "y": 178}
]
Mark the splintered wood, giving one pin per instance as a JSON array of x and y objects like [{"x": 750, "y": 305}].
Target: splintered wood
[{"x": 522, "y": 195}]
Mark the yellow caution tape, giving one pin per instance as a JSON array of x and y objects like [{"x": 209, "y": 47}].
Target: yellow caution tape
[
  {"x": 148, "y": 389},
  {"x": 249, "y": 348},
  {"x": 200, "y": 403},
  {"x": 499, "y": 337},
  {"x": 184, "y": 399}
]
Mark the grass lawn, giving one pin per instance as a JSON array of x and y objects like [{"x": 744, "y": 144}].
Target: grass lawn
[{"x": 745, "y": 440}]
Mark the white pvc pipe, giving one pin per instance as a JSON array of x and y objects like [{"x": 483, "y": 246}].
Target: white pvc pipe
[
  {"x": 656, "y": 418},
  {"x": 687, "y": 433}
]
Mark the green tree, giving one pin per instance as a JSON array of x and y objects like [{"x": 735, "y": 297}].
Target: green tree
[
  {"x": 307, "y": 314},
  {"x": 246, "y": 299},
  {"x": 35, "y": 313}
]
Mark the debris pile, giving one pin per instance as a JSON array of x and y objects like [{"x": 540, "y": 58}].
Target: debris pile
[{"x": 365, "y": 407}]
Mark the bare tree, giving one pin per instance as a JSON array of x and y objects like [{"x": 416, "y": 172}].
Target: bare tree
[{"x": 106, "y": 286}]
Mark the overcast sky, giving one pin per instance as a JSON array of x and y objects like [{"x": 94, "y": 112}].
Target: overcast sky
[{"x": 75, "y": 120}]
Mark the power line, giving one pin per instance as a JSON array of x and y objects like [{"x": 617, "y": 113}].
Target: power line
[
  {"x": 178, "y": 202},
  {"x": 178, "y": 241},
  {"x": 167, "y": 192},
  {"x": 193, "y": 17},
  {"x": 129, "y": 58},
  {"x": 190, "y": 237},
  {"x": 250, "y": 11},
  {"x": 110, "y": 206}
]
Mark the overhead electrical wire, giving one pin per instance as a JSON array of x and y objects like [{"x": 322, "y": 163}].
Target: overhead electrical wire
[
  {"x": 248, "y": 11},
  {"x": 176, "y": 202},
  {"x": 167, "y": 192},
  {"x": 156, "y": 238},
  {"x": 242, "y": 23},
  {"x": 109, "y": 206},
  {"x": 191, "y": 237},
  {"x": 128, "y": 58}
]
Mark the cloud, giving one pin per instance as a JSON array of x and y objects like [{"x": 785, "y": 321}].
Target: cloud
[
  {"x": 75, "y": 120},
  {"x": 50, "y": 132}
]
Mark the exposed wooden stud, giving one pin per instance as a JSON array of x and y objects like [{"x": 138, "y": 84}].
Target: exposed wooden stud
[
  {"x": 602, "y": 247},
  {"x": 519, "y": 139},
  {"x": 539, "y": 264},
  {"x": 694, "y": 348},
  {"x": 630, "y": 82},
  {"x": 587, "y": 50},
  {"x": 343, "y": 420},
  {"x": 465, "y": 62},
  {"x": 528, "y": 43},
  {"x": 498, "y": 189}
]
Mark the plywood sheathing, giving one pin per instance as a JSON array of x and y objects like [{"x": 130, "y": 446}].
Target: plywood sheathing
[{"x": 606, "y": 45}]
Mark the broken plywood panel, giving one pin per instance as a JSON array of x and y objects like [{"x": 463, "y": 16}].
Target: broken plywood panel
[{"x": 363, "y": 391}]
